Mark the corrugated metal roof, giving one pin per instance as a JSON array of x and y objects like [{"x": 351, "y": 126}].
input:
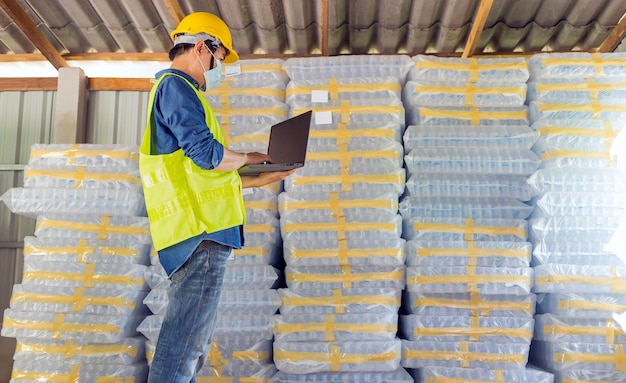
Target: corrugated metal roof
[{"x": 294, "y": 26}]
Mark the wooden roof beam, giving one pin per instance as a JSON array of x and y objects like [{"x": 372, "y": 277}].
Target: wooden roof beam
[
  {"x": 615, "y": 37},
  {"x": 28, "y": 27},
  {"x": 477, "y": 27},
  {"x": 175, "y": 10}
]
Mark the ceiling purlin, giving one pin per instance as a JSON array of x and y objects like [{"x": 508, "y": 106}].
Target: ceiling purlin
[
  {"x": 615, "y": 37},
  {"x": 30, "y": 30},
  {"x": 477, "y": 27},
  {"x": 175, "y": 10}
]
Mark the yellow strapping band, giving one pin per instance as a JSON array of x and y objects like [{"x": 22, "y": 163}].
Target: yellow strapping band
[
  {"x": 251, "y": 251},
  {"x": 272, "y": 111},
  {"x": 330, "y": 226},
  {"x": 617, "y": 285},
  {"x": 498, "y": 376},
  {"x": 72, "y": 152},
  {"x": 588, "y": 305},
  {"x": 342, "y": 134},
  {"x": 339, "y": 301},
  {"x": 345, "y": 109},
  {"x": 90, "y": 270},
  {"x": 464, "y": 357},
  {"x": 582, "y": 108},
  {"x": 618, "y": 358},
  {"x": 473, "y": 251},
  {"x": 82, "y": 251},
  {"x": 329, "y": 328},
  {"x": 333, "y": 88},
  {"x": 456, "y": 228},
  {"x": 598, "y": 64},
  {"x": 469, "y": 279},
  {"x": 248, "y": 138},
  {"x": 258, "y": 228},
  {"x": 588, "y": 154},
  {"x": 215, "y": 357},
  {"x": 474, "y": 114},
  {"x": 57, "y": 325},
  {"x": 69, "y": 349},
  {"x": 352, "y": 179},
  {"x": 76, "y": 301},
  {"x": 82, "y": 277},
  {"x": 474, "y": 71},
  {"x": 261, "y": 205},
  {"x": 345, "y": 157},
  {"x": 346, "y": 277},
  {"x": 335, "y": 358},
  {"x": 469, "y": 229},
  {"x": 105, "y": 222},
  {"x": 472, "y": 64},
  {"x": 350, "y": 253},
  {"x": 465, "y": 362},
  {"x": 255, "y": 356}
]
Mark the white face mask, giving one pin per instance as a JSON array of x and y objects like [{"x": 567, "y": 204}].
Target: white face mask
[{"x": 212, "y": 77}]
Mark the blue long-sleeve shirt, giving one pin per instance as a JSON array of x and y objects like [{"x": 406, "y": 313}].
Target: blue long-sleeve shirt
[{"x": 180, "y": 123}]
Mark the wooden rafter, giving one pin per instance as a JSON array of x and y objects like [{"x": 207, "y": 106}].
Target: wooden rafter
[
  {"x": 175, "y": 10},
  {"x": 324, "y": 27},
  {"x": 28, "y": 27},
  {"x": 615, "y": 37},
  {"x": 477, "y": 27}
]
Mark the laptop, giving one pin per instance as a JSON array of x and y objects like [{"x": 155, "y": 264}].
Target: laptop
[{"x": 287, "y": 146}]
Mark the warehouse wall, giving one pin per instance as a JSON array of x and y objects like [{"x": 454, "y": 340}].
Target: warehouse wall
[{"x": 27, "y": 118}]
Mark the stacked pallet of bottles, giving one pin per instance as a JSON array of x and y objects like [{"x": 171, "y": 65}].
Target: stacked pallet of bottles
[
  {"x": 247, "y": 102},
  {"x": 340, "y": 224},
  {"x": 468, "y": 308},
  {"x": 76, "y": 311},
  {"x": 578, "y": 106}
]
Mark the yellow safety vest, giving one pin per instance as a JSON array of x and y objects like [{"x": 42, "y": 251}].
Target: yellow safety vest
[{"x": 182, "y": 199}]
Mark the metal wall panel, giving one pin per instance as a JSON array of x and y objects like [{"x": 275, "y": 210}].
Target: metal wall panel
[
  {"x": 116, "y": 117},
  {"x": 25, "y": 119}
]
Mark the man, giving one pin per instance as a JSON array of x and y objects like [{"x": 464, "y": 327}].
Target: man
[{"x": 193, "y": 193}]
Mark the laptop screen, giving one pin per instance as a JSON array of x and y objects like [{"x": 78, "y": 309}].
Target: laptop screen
[{"x": 288, "y": 139}]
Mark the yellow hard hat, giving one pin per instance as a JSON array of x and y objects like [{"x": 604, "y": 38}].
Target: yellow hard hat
[{"x": 204, "y": 23}]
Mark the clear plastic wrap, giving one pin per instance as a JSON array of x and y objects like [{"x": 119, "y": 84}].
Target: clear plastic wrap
[
  {"x": 489, "y": 136},
  {"x": 470, "y": 160},
  {"x": 356, "y": 178},
  {"x": 247, "y": 329},
  {"x": 589, "y": 376},
  {"x": 127, "y": 351},
  {"x": 573, "y": 229},
  {"x": 374, "y": 153},
  {"x": 261, "y": 201},
  {"x": 93, "y": 250},
  {"x": 116, "y": 155},
  {"x": 335, "y": 251},
  {"x": 86, "y": 226},
  {"x": 335, "y": 327},
  {"x": 349, "y": 226},
  {"x": 82, "y": 177},
  {"x": 247, "y": 137},
  {"x": 464, "y": 207},
  {"x": 348, "y": 88},
  {"x": 469, "y": 185},
  {"x": 309, "y": 357},
  {"x": 370, "y": 110},
  {"x": 466, "y": 116},
  {"x": 447, "y": 374},
  {"x": 79, "y": 327},
  {"x": 455, "y": 93},
  {"x": 570, "y": 179},
  {"x": 576, "y": 65},
  {"x": 65, "y": 299},
  {"x": 321, "y": 204},
  {"x": 563, "y": 356},
  {"x": 232, "y": 302},
  {"x": 256, "y": 69},
  {"x": 339, "y": 301},
  {"x": 575, "y": 109},
  {"x": 347, "y": 277},
  {"x": 233, "y": 91},
  {"x": 582, "y": 305},
  {"x": 31, "y": 202},
  {"x": 250, "y": 113},
  {"x": 470, "y": 355},
  {"x": 591, "y": 149},
  {"x": 581, "y": 204},
  {"x": 486, "y": 280},
  {"x": 552, "y": 328},
  {"x": 88, "y": 275},
  {"x": 500, "y": 70},
  {"x": 258, "y": 252},
  {"x": 398, "y": 376},
  {"x": 463, "y": 253},
  {"x": 576, "y": 253},
  {"x": 27, "y": 372},
  {"x": 245, "y": 277},
  {"x": 354, "y": 132},
  {"x": 348, "y": 66},
  {"x": 470, "y": 304},
  {"x": 261, "y": 226},
  {"x": 555, "y": 278},
  {"x": 589, "y": 90},
  {"x": 461, "y": 229},
  {"x": 466, "y": 328},
  {"x": 242, "y": 373}
]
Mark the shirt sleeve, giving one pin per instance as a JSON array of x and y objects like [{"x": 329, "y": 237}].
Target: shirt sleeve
[{"x": 180, "y": 118}]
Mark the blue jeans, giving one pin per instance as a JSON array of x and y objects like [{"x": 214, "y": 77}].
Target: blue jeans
[{"x": 189, "y": 322}]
